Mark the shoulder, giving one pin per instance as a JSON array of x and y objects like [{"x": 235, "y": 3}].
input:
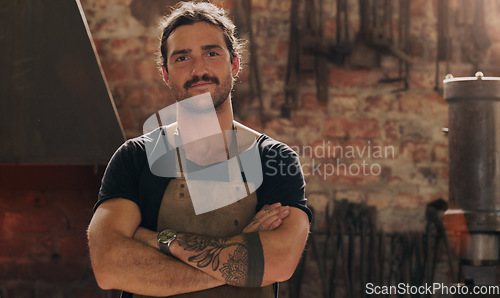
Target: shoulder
[
  {"x": 266, "y": 143},
  {"x": 272, "y": 148},
  {"x": 138, "y": 147}
]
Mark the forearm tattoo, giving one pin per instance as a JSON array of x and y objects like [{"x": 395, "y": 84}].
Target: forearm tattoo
[{"x": 244, "y": 266}]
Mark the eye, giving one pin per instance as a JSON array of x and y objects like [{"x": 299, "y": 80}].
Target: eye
[
  {"x": 181, "y": 59},
  {"x": 213, "y": 54}
]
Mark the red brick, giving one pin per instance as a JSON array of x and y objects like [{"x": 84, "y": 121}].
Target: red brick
[
  {"x": 408, "y": 200},
  {"x": 228, "y": 5},
  {"x": 436, "y": 105},
  {"x": 101, "y": 46},
  {"x": 342, "y": 104},
  {"x": 440, "y": 152},
  {"x": 422, "y": 80},
  {"x": 323, "y": 149},
  {"x": 280, "y": 6},
  {"x": 329, "y": 28},
  {"x": 364, "y": 128},
  {"x": 348, "y": 171},
  {"x": 127, "y": 118},
  {"x": 319, "y": 202},
  {"x": 353, "y": 149},
  {"x": 410, "y": 103},
  {"x": 392, "y": 130},
  {"x": 343, "y": 77},
  {"x": 124, "y": 48},
  {"x": 274, "y": 74},
  {"x": 282, "y": 49},
  {"x": 146, "y": 70},
  {"x": 417, "y": 152},
  {"x": 378, "y": 103},
  {"x": 419, "y": 8},
  {"x": 105, "y": 3},
  {"x": 379, "y": 200},
  {"x": 277, "y": 125},
  {"x": 417, "y": 46},
  {"x": 384, "y": 150},
  {"x": 336, "y": 127},
  {"x": 253, "y": 121},
  {"x": 116, "y": 70},
  {"x": 135, "y": 97},
  {"x": 151, "y": 46},
  {"x": 310, "y": 103}
]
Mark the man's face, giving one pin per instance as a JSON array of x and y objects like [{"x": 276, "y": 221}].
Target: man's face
[{"x": 198, "y": 62}]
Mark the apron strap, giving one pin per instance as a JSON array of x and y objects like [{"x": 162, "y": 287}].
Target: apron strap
[{"x": 231, "y": 152}]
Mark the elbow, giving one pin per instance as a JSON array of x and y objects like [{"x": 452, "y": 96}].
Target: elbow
[
  {"x": 103, "y": 278},
  {"x": 283, "y": 269},
  {"x": 285, "y": 272},
  {"x": 100, "y": 266},
  {"x": 101, "y": 273}
]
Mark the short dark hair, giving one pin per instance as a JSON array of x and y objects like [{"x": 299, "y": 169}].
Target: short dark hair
[{"x": 187, "y": 13}]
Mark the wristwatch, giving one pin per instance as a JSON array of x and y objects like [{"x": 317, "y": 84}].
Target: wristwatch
[{"x": 165, "y": 238}]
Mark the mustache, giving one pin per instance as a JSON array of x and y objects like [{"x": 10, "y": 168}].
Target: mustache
[{"x": 204, "y": 78}]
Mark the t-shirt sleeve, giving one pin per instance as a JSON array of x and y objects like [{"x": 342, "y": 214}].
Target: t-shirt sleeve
[
  {"x": 120, "y": 179},
  {"x": 283, "y": 179}
]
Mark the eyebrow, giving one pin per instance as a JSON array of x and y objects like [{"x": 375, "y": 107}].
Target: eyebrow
[
  {"x": 204, "y": 48},
  {"x": 211, "y": 46}
]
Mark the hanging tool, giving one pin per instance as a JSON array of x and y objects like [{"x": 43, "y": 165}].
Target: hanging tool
[
  {"x": 342, "y": 48},
  {"x": 313, "y": 38},
  {"x": 243, "y": 18},
  {"x": 403, "y": 47},
  {"x": 292, "y": 70},
  {"x": 435, "y": 226},
  {"x": 255, "y": 83},
  {"x": 443, "y": 41}
]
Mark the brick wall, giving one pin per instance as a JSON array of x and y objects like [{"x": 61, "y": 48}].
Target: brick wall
[{"x": 360, "y": 112}]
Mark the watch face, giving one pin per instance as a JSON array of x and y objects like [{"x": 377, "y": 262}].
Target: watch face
[{"x": 167, "y": 236}]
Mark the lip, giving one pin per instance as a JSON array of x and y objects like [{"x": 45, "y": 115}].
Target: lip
[{"x": 200, "y": 85}]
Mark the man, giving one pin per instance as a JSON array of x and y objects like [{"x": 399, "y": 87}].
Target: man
[{"x": 146, "y": 236}]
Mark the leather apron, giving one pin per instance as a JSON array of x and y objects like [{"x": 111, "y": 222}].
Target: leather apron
[{"x": 177, "y": 213}]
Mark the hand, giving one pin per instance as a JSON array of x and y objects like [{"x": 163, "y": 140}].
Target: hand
[{"x": 268, "y": 219}]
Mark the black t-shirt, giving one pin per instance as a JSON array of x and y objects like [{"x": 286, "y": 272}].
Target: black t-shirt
[{"x": 128, "y": 175}]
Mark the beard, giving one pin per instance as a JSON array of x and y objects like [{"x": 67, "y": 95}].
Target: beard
[{"x": 219, "y": 95}]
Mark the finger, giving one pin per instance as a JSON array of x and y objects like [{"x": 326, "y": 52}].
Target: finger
[
  {"x": 275, "y": 224},
  {"x": 266, "y": 210},
  {"x": 267, "y": 207},
  {"x": 266, "y": 222}
]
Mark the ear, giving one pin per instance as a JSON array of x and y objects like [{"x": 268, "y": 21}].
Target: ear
[
  {"x": 235, "y": 66},
  {"x": 166, "y": 77}
]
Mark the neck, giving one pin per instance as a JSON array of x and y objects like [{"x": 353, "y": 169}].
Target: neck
[{"x": 206, "y": 130}]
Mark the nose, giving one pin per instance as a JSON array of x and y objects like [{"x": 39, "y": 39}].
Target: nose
[{"x": 199, "y": 68}]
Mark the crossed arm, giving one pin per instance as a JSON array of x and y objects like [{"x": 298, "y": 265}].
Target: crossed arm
[{"x": 127, "y": 257}]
